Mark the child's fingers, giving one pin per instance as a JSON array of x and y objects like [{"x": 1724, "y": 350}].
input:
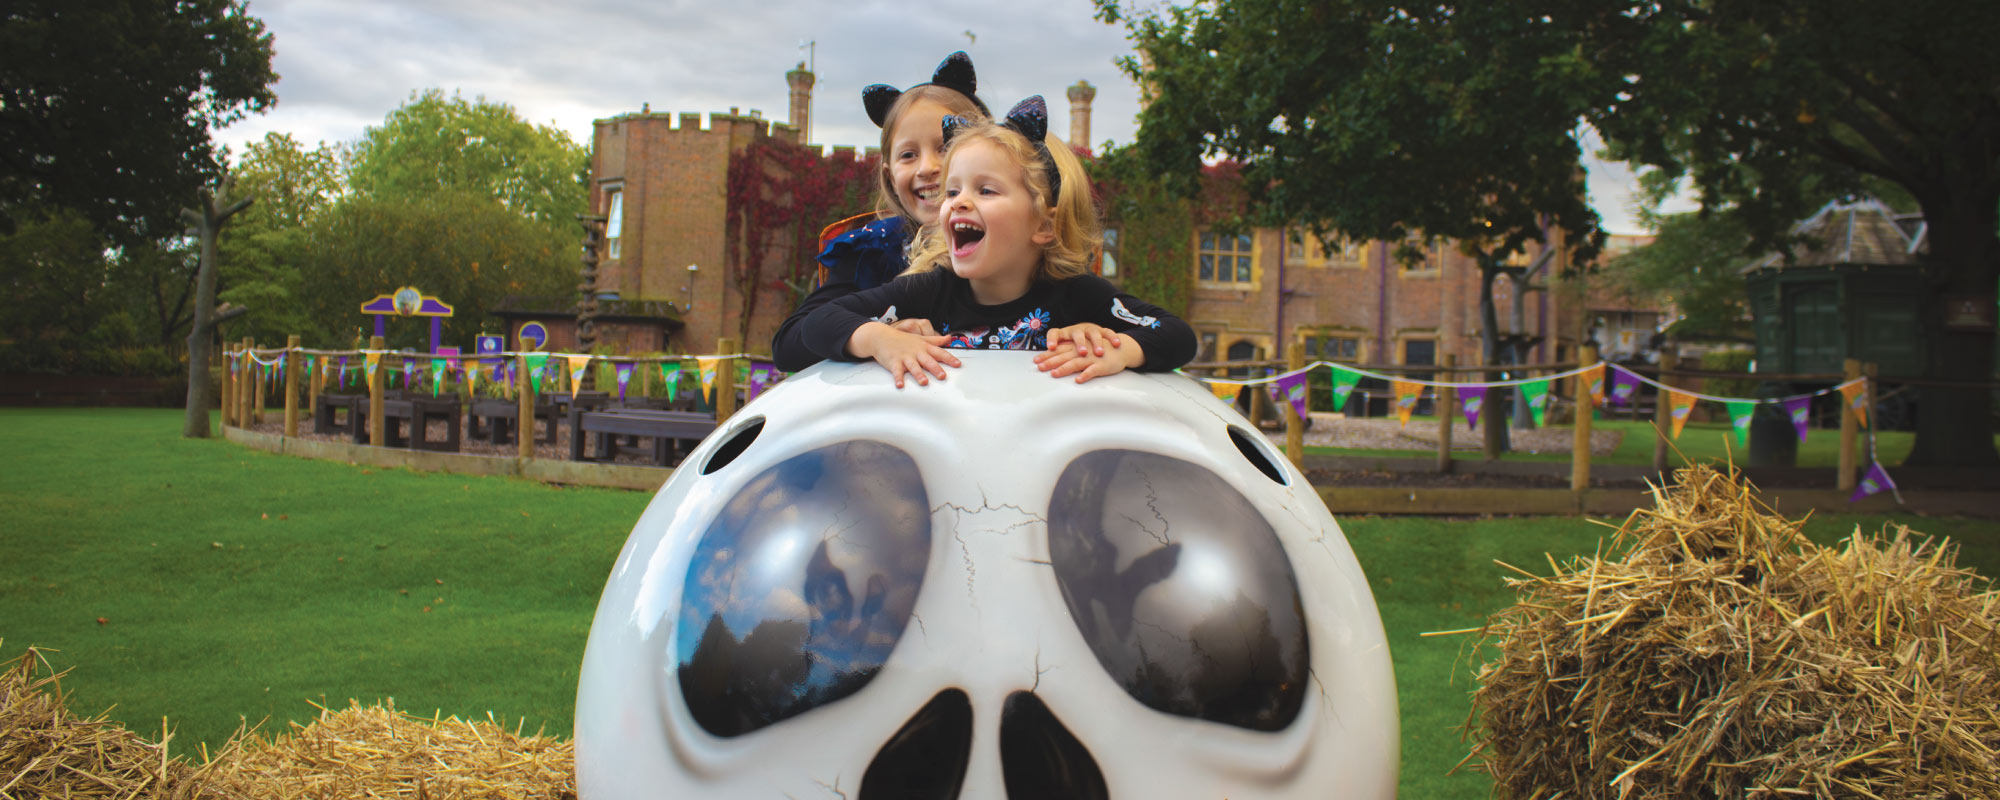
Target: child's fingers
[
  {"x": 934, "y": 360},
  {"x": 1099, "y": 369},
  {"x": 1055, "y": 359},
  {"x": 1065, "y": 351},
  {"x": 1097, "y": 337}
]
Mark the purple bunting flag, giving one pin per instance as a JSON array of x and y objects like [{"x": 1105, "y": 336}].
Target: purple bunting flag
[
  {"x": 1874, "y": 481},
  {"x": 1799, "y": 409},
  {"x": 624, "y": 377},
  {"x": 1624, "y": 384},
  {"x": 1292, "y": 389},
  {"x": 1473, "y": 397}
]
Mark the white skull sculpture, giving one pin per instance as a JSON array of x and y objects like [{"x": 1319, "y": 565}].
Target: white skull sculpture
[{"x": 998, "y": 585}]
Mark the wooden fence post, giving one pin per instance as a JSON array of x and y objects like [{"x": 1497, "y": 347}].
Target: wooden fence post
[
  {"x": 524, "y": 422},
  {"x": 228, "y": 362},
  {"x": 1579, "y": 465},
  {"x": 245, "y": 387},
  {"x": 315, "y": 384},
  {"x": 725, "y": 381},
  {"x": 1446, "y": 403},
  {"x": 1870, "y": 370},
  {"x": 1489, "y": 449},
  {"x": 1849, "y": 427},
  {"x": 1663, "y": 414},
  {"x": 291, "y": 386},
  {"x": 1295, "y": 426},
  {"x": 377, "y": 432}
]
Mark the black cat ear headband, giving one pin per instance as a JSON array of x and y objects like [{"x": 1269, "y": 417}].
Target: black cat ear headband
[
  {"x": 954, "y": 73},
  {"x": 1030, "y": 118}
]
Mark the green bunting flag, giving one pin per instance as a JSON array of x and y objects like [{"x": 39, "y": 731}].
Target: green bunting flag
[
  {"x": 670, "y": 374},
  {"x": 1343, "y": 383},
  {"x": 535, "y": 363},
  {"x": 437, "y": 375},
  {"x": 1537, "y": 393},
  {"x": 1740, "y": 412}
]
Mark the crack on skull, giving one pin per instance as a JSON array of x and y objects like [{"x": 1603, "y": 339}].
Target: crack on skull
[
  {"x": 920, "y": 624},
  {"x": 1165, "y": 536},
  {"x": 1174, "y": 387},
  {"x": 834, "y": 788},
  {"x": 1039, "y": 671},
  {"x": 961, "y": 513}
]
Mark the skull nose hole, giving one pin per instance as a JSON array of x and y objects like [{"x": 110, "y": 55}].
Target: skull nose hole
[
  {"x": 1255, "y": 454},
  {"x": 1040, "y": 758},
  {"x": 738, "y": 442},
  {"x": 927, "y": 756}
]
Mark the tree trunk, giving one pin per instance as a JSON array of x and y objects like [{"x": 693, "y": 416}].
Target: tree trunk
[
  {"x": 1955, "y": 425},
  {"x": 208, "y": 225}
]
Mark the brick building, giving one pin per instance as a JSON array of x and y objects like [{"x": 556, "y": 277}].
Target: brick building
[{"x": 661, "y": 181}]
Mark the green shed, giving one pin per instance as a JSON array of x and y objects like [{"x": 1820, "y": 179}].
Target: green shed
[{"x": 1854, "y": 292}]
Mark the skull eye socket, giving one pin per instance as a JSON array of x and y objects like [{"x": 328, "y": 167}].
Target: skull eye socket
[
  {"x": 802, "y": 586},
  {"x": 1181, "y": 588}
]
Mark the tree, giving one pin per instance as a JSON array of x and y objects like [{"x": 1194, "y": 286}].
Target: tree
[
  {"x": 1766, "y": 106},
  {"x": 1372, "y": 121},
  {"x": 264, "y": 249},
  {"x": 1695, "y": 261},
  {"x": 207, "y": 221},
  {"x": 434, "y": 143},
  {"x": 107, "y": 108}
]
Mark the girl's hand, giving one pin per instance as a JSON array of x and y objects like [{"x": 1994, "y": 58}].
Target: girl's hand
[
  {"x": 1072, "y": 360},
  {"x": 1087, "y": 336},
  {"x": 902, "y": 353},
  {"x": 920, "y": 327}
]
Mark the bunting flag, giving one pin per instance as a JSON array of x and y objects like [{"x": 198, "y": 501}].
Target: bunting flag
[
  {"x": 437, "y": 375},
  {"x": 1593, "y": 377},
  {"x": 1537, "y": 393},
  {"x": 472, "y": 371},
  {"x": 757, "y": 378},
  {"x": 372, "y": 360},
  {"x": 232, "y": 368},
  {"x": 1226, "y": 392},
  {"x": 707, "y": 366},
  {"x": 577, "y": 364},
  {"x": 1799, "y": 409},
  {"x": 1407, "y": 395},
  {"x": 670, "y": 374},
  {"x": 409, "y": 370},
  {"x": 1343, "y": 383},
  {"x": 1292, "y": 389},
  {"x": 343, "y": 370},
  {"x": 1740, "y": 412},
  {"x": 1683, "y": 406},
  {"x": 1856, "y": 393},
  {"x": 536, "y": 362},
  {"x": 1873, "y": 482},
  {"x": 1473, "y": 397},
  {"x": 624, "y": 377},
  {"x": 1624, "y": 384}
]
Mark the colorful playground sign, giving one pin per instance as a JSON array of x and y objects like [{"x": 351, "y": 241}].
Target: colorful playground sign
[
  {"x": 532, "y": 336},
  {"x": 487, "y": 344},
  {"x": 407, "y": 302}
]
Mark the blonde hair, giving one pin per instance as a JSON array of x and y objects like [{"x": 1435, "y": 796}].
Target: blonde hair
[
  {"x": 1073, "y": 214},
  {"x": 887, "y": 204}
]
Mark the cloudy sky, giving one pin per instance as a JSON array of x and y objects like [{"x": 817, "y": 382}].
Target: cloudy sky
[{"x": 345, "y": 64}]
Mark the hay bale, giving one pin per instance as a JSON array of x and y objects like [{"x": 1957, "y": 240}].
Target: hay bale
[
  {"x": 379, "y": 752},
  {"x": 1719, "y": 653},
  {"x": 45, "y": 751}
]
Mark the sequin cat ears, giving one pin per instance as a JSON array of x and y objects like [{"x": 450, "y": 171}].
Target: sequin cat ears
[
  {"x": 1030, "y": 118},
  {"x": 954, "y": 73}
]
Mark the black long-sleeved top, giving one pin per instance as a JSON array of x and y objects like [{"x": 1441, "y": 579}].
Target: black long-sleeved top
[
  {"x": 1021, "y": 324},
  {"x": 858, "y": 258}
]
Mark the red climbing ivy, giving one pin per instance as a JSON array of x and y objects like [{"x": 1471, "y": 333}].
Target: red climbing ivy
[{"x": 781, "y": 194}]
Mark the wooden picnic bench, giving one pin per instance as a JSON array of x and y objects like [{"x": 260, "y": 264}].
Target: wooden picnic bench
[
  {"x": 419, "y": 412},
  {"x": 327, "y": 418},
  {"x": 667, "y": 429},
  {"x": 501, "y": 416}
]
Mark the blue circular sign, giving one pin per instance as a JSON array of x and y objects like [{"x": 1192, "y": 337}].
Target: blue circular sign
[{"x": 533, "y": 336}]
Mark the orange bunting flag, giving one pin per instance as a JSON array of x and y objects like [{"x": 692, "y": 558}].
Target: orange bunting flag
[
  {"x": 1683, "y": 407},
  {"x": 576, "y": 367},
  {"x": 1594, "y": 378},
  {"x": 1407, "y": 395},
  {"x": 374, "y": 360},
  {"x": 1856, "y": 393},
  {"x": 1226, "y": 392},
  {"x": 707, "y": 367}
]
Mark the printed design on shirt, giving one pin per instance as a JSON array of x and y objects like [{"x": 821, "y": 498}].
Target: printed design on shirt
[
  {"x": 1118, "y": 310},
  {"x": 1030, "y": 333},
  {"x": 888, "y": 317}
]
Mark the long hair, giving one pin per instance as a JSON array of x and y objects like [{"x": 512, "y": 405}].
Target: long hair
[
  {"x": 887, "y": 204},
  {"x": 1074, "y": 214}
]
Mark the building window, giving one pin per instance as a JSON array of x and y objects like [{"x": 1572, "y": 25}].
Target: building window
[
  {"x": 614, "y": 222},
  {"x": 1224, "y": 261},
  {"x": 1428, "y": 254},
  {"x": 1305, "y": 250},
  {"x": 1420, "y": 353},
  {"x": 1321, "y": 346},
  {"x": 1108, "y": 264},
  {"x": 1207, "y": 354}
]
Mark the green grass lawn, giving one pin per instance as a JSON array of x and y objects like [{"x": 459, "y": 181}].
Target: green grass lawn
[
  {"x": 1698, "y": 442},
  {"x": 241, "y": 585}
]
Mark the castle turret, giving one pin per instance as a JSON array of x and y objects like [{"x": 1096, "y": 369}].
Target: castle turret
[
  {"x": 802, "y": 97},
  {"x": 1080, "y": 96}
]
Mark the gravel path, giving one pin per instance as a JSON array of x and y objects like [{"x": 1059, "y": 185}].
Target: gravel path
[{"x": 1386, "y": 433}]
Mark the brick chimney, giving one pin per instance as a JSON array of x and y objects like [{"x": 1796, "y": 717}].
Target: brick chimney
[
  {"x": 1080, "y": 96},
  {"x": 802, "y": 99}
]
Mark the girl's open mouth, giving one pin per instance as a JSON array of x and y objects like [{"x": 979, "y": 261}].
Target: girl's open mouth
[{"x": 965, "y": 236}]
